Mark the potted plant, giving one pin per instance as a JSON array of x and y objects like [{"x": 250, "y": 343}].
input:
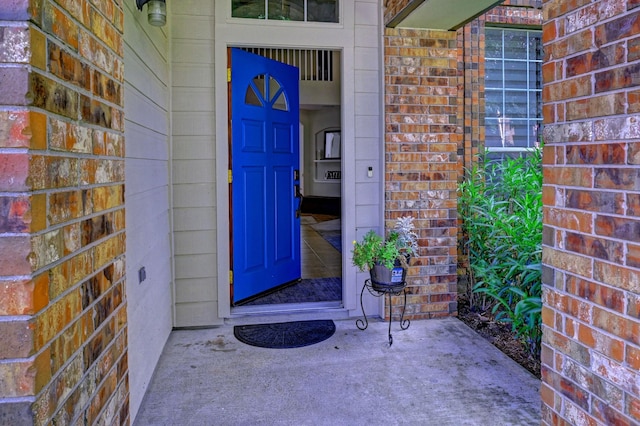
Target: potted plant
[{"x": 387, "y": 259}]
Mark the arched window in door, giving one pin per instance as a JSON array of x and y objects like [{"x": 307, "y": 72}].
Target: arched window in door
[{"x": 264, "y": 91}]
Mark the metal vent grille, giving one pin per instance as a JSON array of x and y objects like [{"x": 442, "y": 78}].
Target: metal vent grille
[{"x": 314, "y": 64}]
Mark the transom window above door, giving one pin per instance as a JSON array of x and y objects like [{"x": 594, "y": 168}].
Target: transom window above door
[{"x": 286, "y": 10}]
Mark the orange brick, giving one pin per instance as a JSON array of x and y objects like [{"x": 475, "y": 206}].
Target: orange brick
[{"x": 38, "y": 48}]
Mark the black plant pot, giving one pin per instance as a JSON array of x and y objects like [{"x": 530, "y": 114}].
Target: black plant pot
[{"x": 388, "y": 280}]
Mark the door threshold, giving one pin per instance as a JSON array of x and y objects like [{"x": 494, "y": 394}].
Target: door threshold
[{"x": 286, "y": 312}]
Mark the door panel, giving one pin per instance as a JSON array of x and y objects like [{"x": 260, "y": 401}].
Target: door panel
[{"x": 264, "y": 158}]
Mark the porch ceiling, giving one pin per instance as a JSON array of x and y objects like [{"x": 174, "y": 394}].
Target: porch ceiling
[{"x": 441, "y": 14}]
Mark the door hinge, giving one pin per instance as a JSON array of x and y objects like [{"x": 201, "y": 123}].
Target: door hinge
[
  {"x": 230, "y": 277},
  {"x": 230, "y": 176},
  {"x": 228, "y": 75}
]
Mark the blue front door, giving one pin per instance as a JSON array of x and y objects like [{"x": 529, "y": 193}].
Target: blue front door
[{"x": 265, "y": 174}]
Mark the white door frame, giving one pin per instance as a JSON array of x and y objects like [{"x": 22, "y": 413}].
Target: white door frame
[{"x": 234, "y": 32}]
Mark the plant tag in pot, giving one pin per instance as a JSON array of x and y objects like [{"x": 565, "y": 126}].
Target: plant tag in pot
[{"x": 396, "y": 275}]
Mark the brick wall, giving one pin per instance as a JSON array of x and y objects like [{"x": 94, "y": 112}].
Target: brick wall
[
  {"x": 591, "y": 255},
  {"x": 63, "y": 357},
  {"x": 471, "y": 44},
  {"x": 421, "y": 139},
  {"x": 393, "y": 8}
]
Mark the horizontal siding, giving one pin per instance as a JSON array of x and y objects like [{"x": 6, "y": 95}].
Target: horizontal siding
[
  {"x": 193, "y": 171},
  {"x": 197, "y": 313},
  {"x": 193, "y": 166},
  {"x": 149, "y": 306},
  {"x": 369, "y": 138},
  {"x": 193, "y": 219}
]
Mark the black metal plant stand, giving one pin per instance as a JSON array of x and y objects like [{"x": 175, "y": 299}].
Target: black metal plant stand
[{"x": 378, "y": 290}]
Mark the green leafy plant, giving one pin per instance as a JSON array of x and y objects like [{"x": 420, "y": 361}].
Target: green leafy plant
[
  {"x": 373, "y": 249},
  {"x": 500, "y": 206}
]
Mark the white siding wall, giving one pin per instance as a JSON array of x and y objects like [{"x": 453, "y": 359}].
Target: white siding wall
[
  {"x": 369, "y": 128},
  {"x": 146, "y": 101},
  {"x": 193, "y": 163}
]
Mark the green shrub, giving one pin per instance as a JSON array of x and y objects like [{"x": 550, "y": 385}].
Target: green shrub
[{"x": 501, "y": 210}]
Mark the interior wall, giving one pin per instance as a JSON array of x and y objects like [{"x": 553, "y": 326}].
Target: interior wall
[
  {"x": 315, "y": 93},
  {"x": 193, "y": 164},
  {"x": 315, "y": 121},
  {"x": 146, "y": 103}
]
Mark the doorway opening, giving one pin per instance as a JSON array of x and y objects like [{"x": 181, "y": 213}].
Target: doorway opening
[{"x": 320, "y": 182}]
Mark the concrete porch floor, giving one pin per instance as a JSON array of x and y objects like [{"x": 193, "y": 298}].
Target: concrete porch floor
[{"x": 438, "y": 372}]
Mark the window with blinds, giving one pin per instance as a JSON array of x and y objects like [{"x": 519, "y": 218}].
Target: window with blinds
[
  {"x": 286, "y": 10},
  {"x": 513, "y": 90}
]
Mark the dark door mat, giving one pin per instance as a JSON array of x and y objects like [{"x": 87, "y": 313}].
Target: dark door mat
[
  {"x": 307, "y": 290},
  {"x": 284, "y": 335}
]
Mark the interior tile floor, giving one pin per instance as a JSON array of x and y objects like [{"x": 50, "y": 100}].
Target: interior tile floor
[{"x": 319, "y": 258}]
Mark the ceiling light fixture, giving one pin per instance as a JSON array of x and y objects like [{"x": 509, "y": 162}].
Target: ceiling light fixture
[{"x": 156, "y": 11}]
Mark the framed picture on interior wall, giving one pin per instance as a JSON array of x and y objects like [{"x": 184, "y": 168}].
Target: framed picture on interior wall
[{"x": 332, "y": 144}]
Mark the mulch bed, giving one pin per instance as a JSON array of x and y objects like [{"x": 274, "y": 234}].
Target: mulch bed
[{"x": 499, "y": 334}]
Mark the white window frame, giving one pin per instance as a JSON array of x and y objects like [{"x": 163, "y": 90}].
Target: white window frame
[
  {"x": 533, "y": 89},
  {"x": 266, "y": 18}
]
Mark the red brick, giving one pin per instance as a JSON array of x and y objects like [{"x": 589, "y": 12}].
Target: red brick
[
  {"x": 597, "y": 201},
  {"x": 570, "y": 176},
  {"x": 568, "y": 219},
  {"x": 609, "y": 415},
  {"x": 15, "y": 255},
  {"x": 632, "y": 406},
  {"x": 633, "y": 47},
  {"x": 619, "y": 179},
  {"x": 616, "y": 227},
  {"x": 617, "y": 325},
  {"x": 604, "y": 296},
  {"x": 595, "y": 247},
  {"x": 23, "y": 297},
  {"x": 25, "y": 378},
  {"x": 574, "y": 393},
  {"x": 15, "y": 86},
  {"x": 633, "y": 100},
  {"x": 617, "y": 276},
  {"x": 596, "y": 106},
  {"x": 618, "y": 29},
  {"x": 16, "y": 10},
  {"x": 15, "y": 214},
  {"x": 14, "y": 129},
  {"x": 633, "y": 256},
  {"x": 14, "y": 172},
  {"x": 617, "y": 78},
  {"x": 633, "y": 356},
  {"x": 17, "y": 339}
]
